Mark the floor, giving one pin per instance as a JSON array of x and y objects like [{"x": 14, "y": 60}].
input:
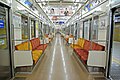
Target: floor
[
  {"x": 59, "y": 63},
  {"x": 115, "y": 68},
  {"x": 116, "y": 50}
]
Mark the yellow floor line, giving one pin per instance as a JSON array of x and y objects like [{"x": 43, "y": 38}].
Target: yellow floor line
[{"x": 116, "y": 60}]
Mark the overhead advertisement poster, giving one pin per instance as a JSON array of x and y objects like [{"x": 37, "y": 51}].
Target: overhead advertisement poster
[{"x": 90, "y": 5}]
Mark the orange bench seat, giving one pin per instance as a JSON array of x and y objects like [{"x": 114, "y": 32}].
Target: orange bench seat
[
  {"x": 35, "y": 46},
  {"x": 86, "y": 45}
]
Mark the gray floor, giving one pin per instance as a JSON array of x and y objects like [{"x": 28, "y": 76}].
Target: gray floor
[
  {"x": 115, "y": 67},
  {"x": 19, "y": 78},
  {"x": 58, "y": 64},
  {"x": 116, "y": 50},
  {"x": 115, "y": 71}
]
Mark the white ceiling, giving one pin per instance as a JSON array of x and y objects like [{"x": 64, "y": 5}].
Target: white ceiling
[
  {"x": 47, "y": 5},
  {"x": 60, "y": 0}
]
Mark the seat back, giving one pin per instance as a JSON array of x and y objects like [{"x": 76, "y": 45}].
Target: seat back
[
  {"x": 35, "y": 43},
  {"x": 24, "y": 46},
  {"x": 87, "y": 45},
  {"x": 81, "y": 42},
  {"x": 98, "y": 47}
]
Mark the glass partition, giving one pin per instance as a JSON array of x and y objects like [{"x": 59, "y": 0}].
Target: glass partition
[
  {"x": 24, "y": 25},
  {"x": 72, "y": 29},
  {"x": 86, "y": 29},
  {"x": 114, "y": 52},
  {"x": 76, "y": 31},
  {"x": 40, "y": 31},
  {"x": 67, "y": 30},
  {"x": 33, "y": 29},
  {"x": 80, "y": 35},
  {"x": 115, "y": 1},
  {"x": 24, "y": 31},
  {"x": 94, "y": 31},
  {"x": 99, "y": 29}
]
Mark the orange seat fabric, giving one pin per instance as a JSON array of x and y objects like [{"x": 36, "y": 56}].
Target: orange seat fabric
[{"x": 35, "y": 46}]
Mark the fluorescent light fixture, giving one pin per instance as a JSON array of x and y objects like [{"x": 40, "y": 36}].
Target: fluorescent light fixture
[
  {"x": 111, "y": 2},
  {"x": 43, "y": 0},
  {"x": 98, "y": 9},
  {"x": 77, "y": 0},
  {"x": 36, "y": 11},
  {"x": 9, "y": 1},
  {"x": 44, "y": 3},
  {"x": 75, "y": 3},
  {"x": 20, "y": 7},
  {"x": 68, "y": 0}
]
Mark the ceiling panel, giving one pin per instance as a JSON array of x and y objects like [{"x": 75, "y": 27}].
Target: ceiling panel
[
  {"x": 52, "y": 0},
  {"x": 46, "y": 0},
  {"x": 69, "y": 0},
  {"x": 55, "y": 8}
]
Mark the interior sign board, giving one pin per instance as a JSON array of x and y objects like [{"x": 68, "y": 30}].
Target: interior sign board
[{"x": 1, "y": 23}]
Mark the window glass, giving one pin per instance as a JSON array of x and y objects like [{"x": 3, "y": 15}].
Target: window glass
[
  {"x": 32, "y": 28},
  {"x": 24, "y": 26}
]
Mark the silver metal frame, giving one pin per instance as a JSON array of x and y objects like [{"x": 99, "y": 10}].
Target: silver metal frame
[
  {"x": 9, "y": 38},
  {"x": 110, "y": 38},
  {"x": 28, "y": 26}
]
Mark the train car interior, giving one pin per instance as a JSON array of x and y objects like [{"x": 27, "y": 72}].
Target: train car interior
[{"x": 59, "y": 39}]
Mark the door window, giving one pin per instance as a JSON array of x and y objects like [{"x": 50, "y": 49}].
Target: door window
[{"x": 5, "y": 68}]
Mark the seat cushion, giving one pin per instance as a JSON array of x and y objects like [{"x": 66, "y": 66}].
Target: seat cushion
[
  {"x": 81, "y": 52},
  {"x": 37, "y": 52},
  {"x": 36, "y": 55},
  {"x": 45, "y": 45},
  {"x": 84, "y": 57},
  {"x": 35, "y": 43},
  {"x": 76, "y": 50},
  {"x": 41, "y": 47}
]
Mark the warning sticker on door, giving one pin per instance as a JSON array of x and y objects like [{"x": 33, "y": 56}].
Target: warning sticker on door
[
  {"x": 1, "y": 23},
  {"x": 2, "y": 42}
]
